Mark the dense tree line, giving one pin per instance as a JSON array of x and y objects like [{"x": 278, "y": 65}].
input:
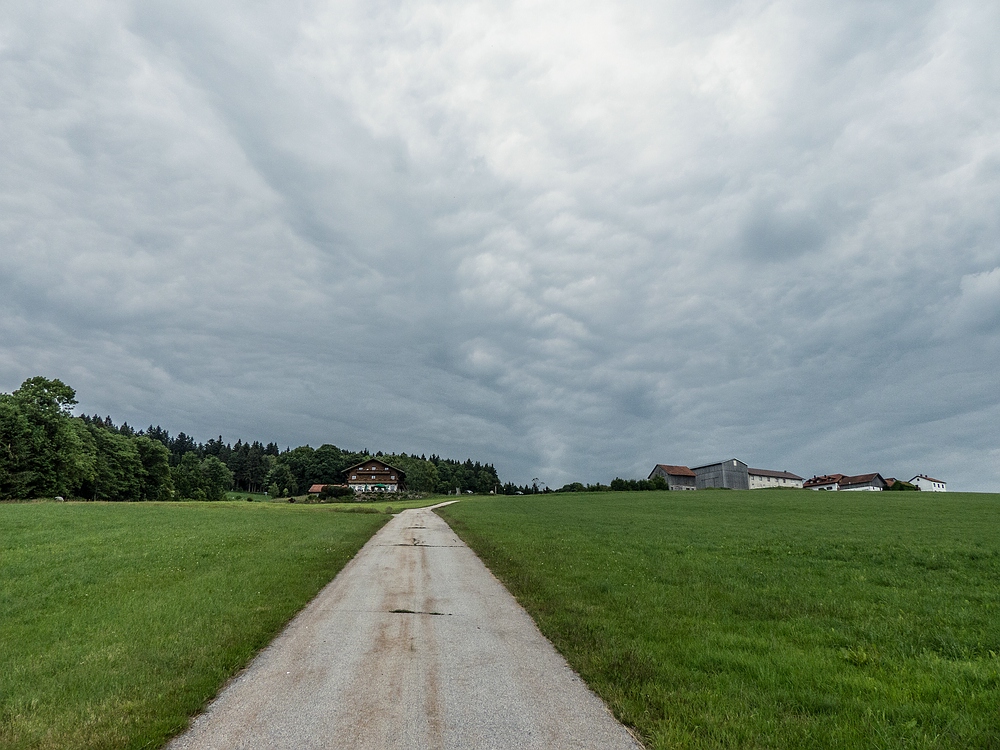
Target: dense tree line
[
  {"x": 619, "y": 485},
  {"x": 294, "y": 471},
  {"x": 45, "y": 451}
]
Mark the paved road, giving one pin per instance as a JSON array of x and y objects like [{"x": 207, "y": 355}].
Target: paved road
[{"x": 414, "y": 645}]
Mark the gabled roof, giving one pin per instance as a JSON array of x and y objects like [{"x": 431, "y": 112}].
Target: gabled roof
[
  {"x": 676, "y": 471},
  {"x": 825, "y": 479},
  {"x": 316, "y": 489},
  {"x": 842, "y": 480},
  {"x": 929, "y": 479},
  {"x": 775, "y": 474},
  {"x": 375, "y": 461},
  {"x": 719, "y": 463},
  {"x": 861, "y": 479}
]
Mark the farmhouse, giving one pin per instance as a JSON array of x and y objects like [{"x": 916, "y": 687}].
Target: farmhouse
[
  {"x": 375, "y": 476},
  {"x": 761, "y": 479},
  {"x": 829, "y": 482},
  {"x": 928, "y": 484},
  {"x": 858, "y": 483},
  {"x": 677, "y": 477}
]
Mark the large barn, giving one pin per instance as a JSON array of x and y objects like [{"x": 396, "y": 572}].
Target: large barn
[{"x": 731, "y": 474}]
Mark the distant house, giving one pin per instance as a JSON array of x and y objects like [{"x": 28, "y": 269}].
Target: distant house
[
  {"x": 677, "y": 477},
  {"x": 928, "y": 484},
  {"x": 731, "y": 474},
  {"x": 830, "y": 482},
  {"x": 374, "y": 475},
  {"x": 316, "y": 489},
  {"x": 764, "y": 478},
  {"x": 863, "y": 483},
  {"x": 843, "y": 483}
]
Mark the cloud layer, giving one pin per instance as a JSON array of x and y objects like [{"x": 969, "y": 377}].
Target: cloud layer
[{"x": 576, "y": 239}]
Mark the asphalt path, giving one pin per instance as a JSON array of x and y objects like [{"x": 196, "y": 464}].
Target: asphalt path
[{"x": 414, "y": 645}]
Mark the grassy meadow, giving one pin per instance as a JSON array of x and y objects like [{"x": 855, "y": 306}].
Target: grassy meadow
[
  {"x": 118, "y": 621},
  {"x": 766, "y": 618},
  {"x": 391, "y": 505}
]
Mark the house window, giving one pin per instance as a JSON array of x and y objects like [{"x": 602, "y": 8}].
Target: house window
[{"x": 354, "y": 476}]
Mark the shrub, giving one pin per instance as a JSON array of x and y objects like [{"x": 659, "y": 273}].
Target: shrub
[{"x": 336, "y": 491}]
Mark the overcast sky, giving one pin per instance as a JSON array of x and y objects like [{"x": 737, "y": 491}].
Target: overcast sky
[{"x": 574, "y": 239}]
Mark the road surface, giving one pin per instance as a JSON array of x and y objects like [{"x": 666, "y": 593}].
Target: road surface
[{"x": 413, "y": 646}]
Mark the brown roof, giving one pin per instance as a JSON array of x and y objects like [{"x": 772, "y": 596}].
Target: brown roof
[
  {"x": 929, "y": 479},
  {"x": 825, "y": 479},
  {"x": 316, "y": 489},
  {"x": 677, "y": 471},
  {"x": 776, "y": 474},
  {"x": 369, "y": 462}
]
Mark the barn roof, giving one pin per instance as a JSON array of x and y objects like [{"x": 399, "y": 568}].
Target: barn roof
[
  {"x": 677, "y": 471},
  {"x": 776, "y": 474},
  {"x": 860, "y": 478}
]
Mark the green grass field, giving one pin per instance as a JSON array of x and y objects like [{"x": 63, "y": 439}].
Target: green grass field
[
  {"x": 765, "y": 619},
  {"x": 392, "y": 505},
  {"x": 118, "y": 621}
]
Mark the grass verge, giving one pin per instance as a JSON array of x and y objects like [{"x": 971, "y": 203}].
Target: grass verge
[
  {"x": 118, "y": 621},
  {"x": 765, "y": 619}
]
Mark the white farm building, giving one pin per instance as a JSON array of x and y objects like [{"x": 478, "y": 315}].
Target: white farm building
[
  {"x": 929, "y": 484},
  {"x": 762, "y": 479}
]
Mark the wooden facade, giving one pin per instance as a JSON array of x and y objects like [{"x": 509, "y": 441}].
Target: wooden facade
[
  {"x": 374, "y": 475},
  {"x": 677, "y": 477},
  {"x": 731, "y": 474}
]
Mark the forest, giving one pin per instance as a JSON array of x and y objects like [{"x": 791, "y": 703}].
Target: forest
[{"x": 46, "y": 451}]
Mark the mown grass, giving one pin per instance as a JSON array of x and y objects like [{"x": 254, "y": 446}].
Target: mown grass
[
  {"x": 118, "y": 621},
  {"x": 350, "y": 506},
  {"x": 386, "y": 506},
  {"x": 765, "y": 619}
]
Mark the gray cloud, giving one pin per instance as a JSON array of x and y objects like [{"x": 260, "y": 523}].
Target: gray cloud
[{"x": 575, "y": 239}]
